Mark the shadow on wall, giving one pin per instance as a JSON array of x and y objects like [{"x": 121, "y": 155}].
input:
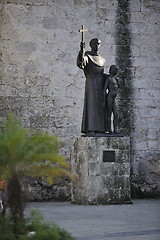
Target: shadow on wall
[{"x": 123, "y": 61}]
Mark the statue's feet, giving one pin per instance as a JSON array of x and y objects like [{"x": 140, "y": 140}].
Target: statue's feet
[
  {"x": 91, "y": 133},
  {"x": 95, "y": 134}
]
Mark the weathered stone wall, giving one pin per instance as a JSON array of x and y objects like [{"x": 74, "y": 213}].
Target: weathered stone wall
[
  {"x": 102, "y": 168},
  {"x": 41, "y": 83},
  {"x": 145, "y": 17},
  {"x": 40, "y": 40}
]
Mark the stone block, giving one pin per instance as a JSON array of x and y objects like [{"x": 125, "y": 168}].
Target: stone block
[
  {"x": 99, "y": 180},
  {"x": 135, "y": 6}
]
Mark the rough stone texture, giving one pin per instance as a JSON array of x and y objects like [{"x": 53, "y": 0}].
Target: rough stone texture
[
  {"x": 100, "y": 182},
  {"x": 123, "y": 61},
  {"x": 144, "y": 24},
  {"x": 38, "y": 189},
  {"x": 41, "y": 83}
]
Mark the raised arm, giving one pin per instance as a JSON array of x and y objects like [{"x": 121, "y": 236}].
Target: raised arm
[{"x": 82, "y": 59}]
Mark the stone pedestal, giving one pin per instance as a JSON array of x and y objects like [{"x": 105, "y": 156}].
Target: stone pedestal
[{"x": 102, "y": 168}]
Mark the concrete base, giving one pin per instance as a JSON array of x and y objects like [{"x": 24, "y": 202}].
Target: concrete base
[{"x": 102, "y": 167}]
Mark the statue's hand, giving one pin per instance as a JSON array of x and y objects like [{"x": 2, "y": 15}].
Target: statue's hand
[{"x": 82, "y": 47}]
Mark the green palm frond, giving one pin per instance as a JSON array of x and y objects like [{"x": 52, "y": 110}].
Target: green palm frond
[
  {"x": 22, "y": 149},
  {"x": 26, "y": 152}
]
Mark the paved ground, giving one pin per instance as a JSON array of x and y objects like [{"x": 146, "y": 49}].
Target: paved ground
[{"x": 138, "y": 221}]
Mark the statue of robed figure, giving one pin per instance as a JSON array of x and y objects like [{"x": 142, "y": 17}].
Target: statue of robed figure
[{"x": 93, "y": 120}]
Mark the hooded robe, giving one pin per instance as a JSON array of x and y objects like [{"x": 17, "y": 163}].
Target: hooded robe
[{"x": 93, "y": 119}]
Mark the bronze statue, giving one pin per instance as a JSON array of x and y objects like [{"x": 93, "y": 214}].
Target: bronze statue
[
  {"x": 110, "y": 93},
  {"x": 93, "y": 66},
  {"x": 100, "y": 91}
]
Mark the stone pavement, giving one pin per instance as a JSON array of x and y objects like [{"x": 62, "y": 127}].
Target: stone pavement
[{"x": 138, "y": 221}]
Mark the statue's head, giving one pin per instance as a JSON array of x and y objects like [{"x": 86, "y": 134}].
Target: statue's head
[
  {"x": 95, "y": 44},
  {"x": 113, "y": 70}
]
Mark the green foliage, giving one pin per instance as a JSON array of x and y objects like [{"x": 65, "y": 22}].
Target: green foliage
[
  {"x": 34, "y": 153},
  {"x": 34, "y": 223},
  {"x": 26, "y": 152}
]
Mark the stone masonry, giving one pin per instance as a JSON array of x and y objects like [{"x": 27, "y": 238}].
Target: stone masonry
[
  {"x": 102, "y": 169},
  {"x": 41, "y": 83}
]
